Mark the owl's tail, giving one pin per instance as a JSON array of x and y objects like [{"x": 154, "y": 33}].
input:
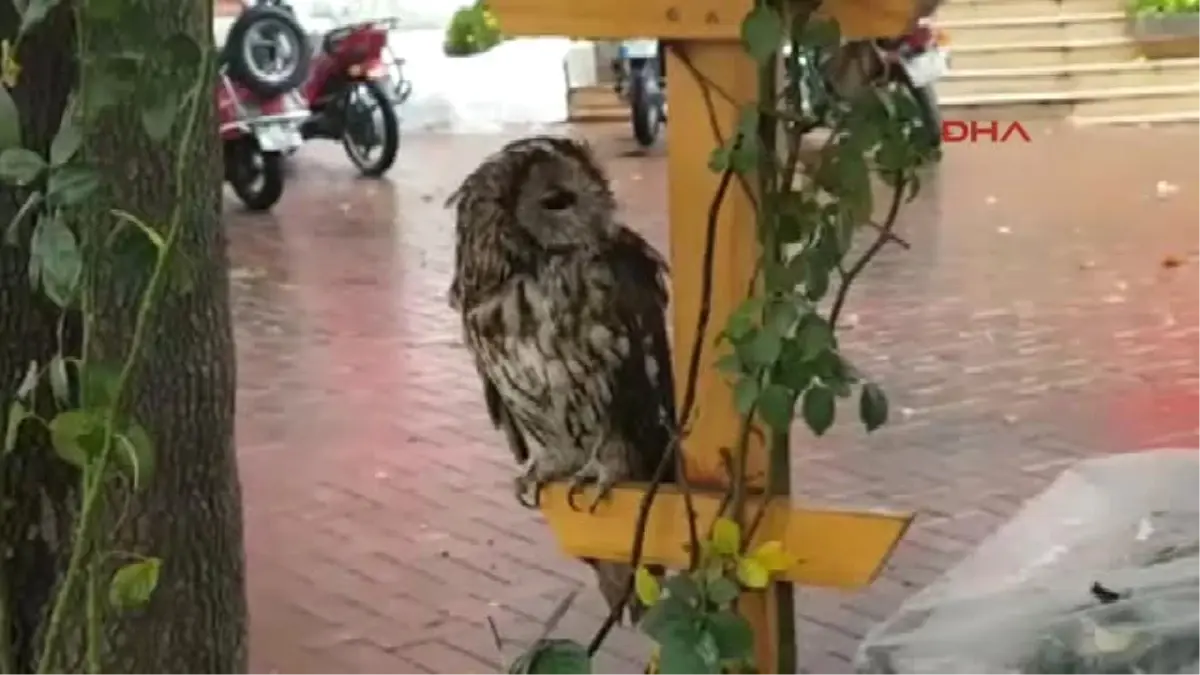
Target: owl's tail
[{"x": 612, "y": 579}]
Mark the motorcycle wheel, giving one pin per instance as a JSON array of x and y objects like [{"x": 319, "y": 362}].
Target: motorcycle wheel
[
  {"x": 267, "y": 51},
  {"x": 255, "y": 176},
  {"x": 930, "y": 115},
  {"x": 387, "y": 145},
  {"x": 644, "y": 105}
]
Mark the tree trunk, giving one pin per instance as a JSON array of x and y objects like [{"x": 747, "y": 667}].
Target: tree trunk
[{"x": 190, "y": 515}]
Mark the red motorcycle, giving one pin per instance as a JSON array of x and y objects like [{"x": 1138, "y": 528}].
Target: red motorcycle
[
  {"x": 264, "y": 59},
  {"x": 350, "y": 96}
]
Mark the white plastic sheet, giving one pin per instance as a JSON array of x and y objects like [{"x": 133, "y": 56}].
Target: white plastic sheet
[{"x": 1098, "y": 574}]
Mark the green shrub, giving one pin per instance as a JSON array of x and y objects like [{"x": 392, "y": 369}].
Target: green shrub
[
  {"x": 1164, "y": 6},
  {"x": 472, "y": 30}
]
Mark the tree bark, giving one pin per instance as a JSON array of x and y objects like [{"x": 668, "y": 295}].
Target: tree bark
[{"x": 190, "y": 515}]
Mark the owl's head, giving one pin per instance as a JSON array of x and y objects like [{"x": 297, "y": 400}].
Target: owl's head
[{"x": 556, "y": 194}]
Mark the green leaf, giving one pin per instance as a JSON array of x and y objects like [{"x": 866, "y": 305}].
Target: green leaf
[
  {"x": 816, "y": 279},
  {"x": 158, "y": 117},
  {"x": 98, "y": 382},
  {"x": 58, "y": 258},
  {"x": 782, "y": 316},
  {"x": 646, "y": 587},
  {"x": 102, "y": 90},
  {"x": 745, "y": 394},
  {"x": 20, "y": 167},
  {"x": 763, "y": 350},
  {"x": 730, "y": 363},
  {"x": 66, "y": 142},
  {"x": 33, "y": 14},
  {"x": 740, "y": 323},
  {"x": 854, "y": 180},
  {"x": 762, "y": 32},
  {"x": 32, "y": 202},
  {"x": 815, "y": 337},
  {"x": 17, "y": 414},
  {"x": 733, "y": 635},
  {"x": 59, "y": 384},
  {"x": 77, "y": 435},
  {"x": 558, "y": 656},
  {"x": 719, "y": 159},
  {"x": 726, "y": 537},
  {"x": 133, "y": 584},
  {"x": 723, "y": 591},
  {"x": 668, "y": 616},
  {"x": 688, "y": 652},
  {"x": 819, "y": 409},
  {"x": 775, "y": 405},
  {"x": 70, "y": 185},
  {"x": 30, "y": 382},
  {"x": 10, "y": 121},
  {"x": 184, "y": 53},
  {"x": 822, "y": 33},
  {"x": 135, "y": 455},
  {"x": 872, "y": 406},
  {"x": 103, "y": 10},
  {"x": 682, "y": 587}
]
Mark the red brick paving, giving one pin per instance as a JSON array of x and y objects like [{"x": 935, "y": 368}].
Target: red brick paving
[{"x": 1032, "y": 323}]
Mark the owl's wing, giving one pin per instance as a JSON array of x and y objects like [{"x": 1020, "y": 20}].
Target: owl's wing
[
  {"x": 645, "y": 389},
  {"x": 501, "y": 418}
]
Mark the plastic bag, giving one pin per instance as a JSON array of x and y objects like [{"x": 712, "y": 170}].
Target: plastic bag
[{"x": 1098, "y": 574}]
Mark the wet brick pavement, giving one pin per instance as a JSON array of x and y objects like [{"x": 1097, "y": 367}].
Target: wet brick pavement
[{"x": 1033, "y": 322}]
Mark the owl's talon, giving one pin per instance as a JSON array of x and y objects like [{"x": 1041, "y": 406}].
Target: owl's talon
[
  {"x": 603, "y": 494},
  {"x": 592, "y": 473},
  {"x": 576, "y": 488},
  {"x": 530, "y": 499}
]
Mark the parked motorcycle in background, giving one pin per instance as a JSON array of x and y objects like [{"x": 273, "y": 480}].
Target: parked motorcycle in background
[
  {"x": 353, "y": 92},
  {"x": 923, "y": 58},
  {"x": 914, "y": 62},
  {"x": 263, "y": 60},
  {"x": 639, "y": 80}
]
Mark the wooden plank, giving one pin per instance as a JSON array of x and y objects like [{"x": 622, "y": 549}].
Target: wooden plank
[
  {"x": 833, "y": 548},
  {"x": 676, "y": 19}
]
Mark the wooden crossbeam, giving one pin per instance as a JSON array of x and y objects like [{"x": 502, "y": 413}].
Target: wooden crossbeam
[
  {"x": 680, "y": 19},
  {"x": 835, "y": 548}
]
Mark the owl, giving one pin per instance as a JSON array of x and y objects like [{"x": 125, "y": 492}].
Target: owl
[{"x": 563, "y": 309}]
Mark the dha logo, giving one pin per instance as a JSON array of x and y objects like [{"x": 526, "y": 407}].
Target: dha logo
[{"x": 959, "y": 131}]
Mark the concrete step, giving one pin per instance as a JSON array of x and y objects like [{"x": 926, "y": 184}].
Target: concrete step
[
  {"x": 596, "y": 104},
  {"x": 1097, "y": 103},
  {"x": 1191, "y": 117},
  {"x": 1037, "y": 28},
  {"x": 1042, "y": 53},
  {"x": 1069, "y": 77},
  {"x": 965, "y": 10}
]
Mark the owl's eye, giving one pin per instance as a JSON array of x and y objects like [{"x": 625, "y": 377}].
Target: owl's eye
[{"x": 557, "y": 200}]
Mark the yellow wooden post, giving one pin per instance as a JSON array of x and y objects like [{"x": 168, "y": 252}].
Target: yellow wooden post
[{"x": 842, "y": 549}]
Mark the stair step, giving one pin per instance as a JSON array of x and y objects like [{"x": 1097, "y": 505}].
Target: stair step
[
  {"x": 597, "y": 95},
  {"x": 956, "y": 10},
  {"x": 1190, "y": 117},
  {"x": 1093, "y": 103},
  {"x": 1005, "y": 30},
  {"x": 1069, "y": 77},
  {"x": 1042, "y": 53}
]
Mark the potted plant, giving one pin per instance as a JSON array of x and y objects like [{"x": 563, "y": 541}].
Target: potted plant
[
  {"x": 1166, "y": 28},
  {"x": 472, "y": 30}
]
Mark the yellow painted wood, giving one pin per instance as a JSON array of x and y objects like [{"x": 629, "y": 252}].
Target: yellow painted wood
[
  {"x": 681, "y": 19},
  {"x": 831, "y": 548},
  {"x": 690, "y": 189}
]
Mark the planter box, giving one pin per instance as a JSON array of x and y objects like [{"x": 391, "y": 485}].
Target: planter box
[{"x": 1166, "y": 36}]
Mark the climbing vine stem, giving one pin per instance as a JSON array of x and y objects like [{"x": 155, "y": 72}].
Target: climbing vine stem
[{"x": 76, "y": 240}]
